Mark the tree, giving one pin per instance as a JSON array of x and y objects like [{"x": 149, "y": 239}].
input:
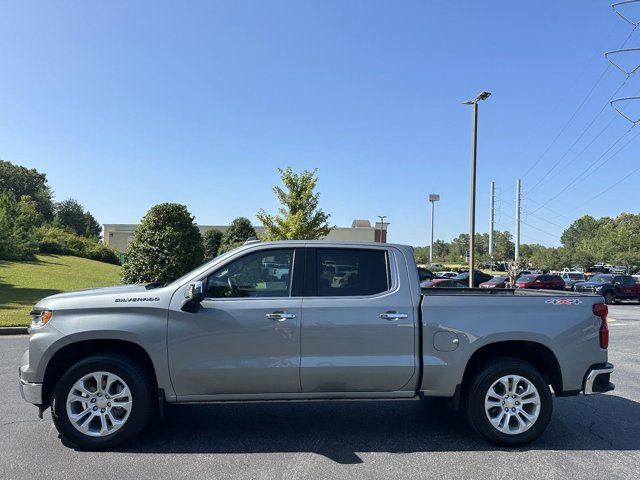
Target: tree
[
  {"x": 237, "y": 233},
  {"x": 299, "y": 217},
  {"x": 17, "y": 223},
  {"x": 92, "y": 229},
  {"x": 70, "y": 214},
  {"x": 166, "y": 245},
  {"x": 19, "y": 181},
  {"x": 212, "y": 240}
]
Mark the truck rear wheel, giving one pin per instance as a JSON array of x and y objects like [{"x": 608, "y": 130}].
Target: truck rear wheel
[
  {"x": 609, "y": 298},
  {"x": 102, "y": 401},
  {"x": 509, "y": 402}
]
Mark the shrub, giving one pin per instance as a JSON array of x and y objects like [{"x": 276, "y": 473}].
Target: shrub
[
  {"x": 17, "y": 219},
  {"x": 166, "y": 245},
  {"x": 63, "y": 242}
]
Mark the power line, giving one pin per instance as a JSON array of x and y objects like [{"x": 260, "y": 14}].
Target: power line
[
  {"x": 583, "y": 173},
  {"x": 584, "y": 100},
  {"x": 605, "y": 190}
]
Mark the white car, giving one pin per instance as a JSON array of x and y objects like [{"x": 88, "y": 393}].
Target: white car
[{"x": 446, "y": 274}]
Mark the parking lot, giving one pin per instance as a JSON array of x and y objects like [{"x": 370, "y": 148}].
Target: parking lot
[{"x": 589, "y": 437}]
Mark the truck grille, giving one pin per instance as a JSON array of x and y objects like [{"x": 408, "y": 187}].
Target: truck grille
[{"x": 585, "y": 289}]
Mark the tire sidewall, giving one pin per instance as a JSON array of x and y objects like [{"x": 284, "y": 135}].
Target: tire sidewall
[
  {"x": 476, "y": 398},
  {"x": 141, "y": 394}
]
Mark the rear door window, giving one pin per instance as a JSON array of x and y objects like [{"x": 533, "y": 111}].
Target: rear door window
[{"x": 351, "y": 272}]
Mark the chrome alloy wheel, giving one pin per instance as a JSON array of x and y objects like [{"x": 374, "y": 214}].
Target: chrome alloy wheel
[
  {"x": 512, "y": 404},
  {"x": 99, "y": 404}
]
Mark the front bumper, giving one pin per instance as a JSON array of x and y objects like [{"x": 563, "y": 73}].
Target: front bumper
[
  {"x": 597, "y": 379},
  {"x": 31, "y": 392}
]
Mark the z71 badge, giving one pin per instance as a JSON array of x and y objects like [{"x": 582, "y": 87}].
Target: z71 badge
[{"x": 564, "y": 301}]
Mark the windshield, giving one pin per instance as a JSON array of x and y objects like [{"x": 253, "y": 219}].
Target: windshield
[
  {"x": 204, "y": 265},
  {"x": 575, "y": 276},
  {"x": 602, "y": 278},
  {"x": 462, "y": 275},
  {"x": 527, "y": 278}
]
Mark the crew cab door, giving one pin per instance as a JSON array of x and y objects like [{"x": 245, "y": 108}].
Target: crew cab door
[
  {"x": 245, "y": 337},
  {"x": 358, "y": 330}
]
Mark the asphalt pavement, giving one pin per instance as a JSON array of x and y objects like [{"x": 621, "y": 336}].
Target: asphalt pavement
[{"x": 589, "y": 437}]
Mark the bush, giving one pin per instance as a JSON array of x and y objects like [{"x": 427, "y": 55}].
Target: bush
[
  {"x": 166, "y": 245},
  {"x": 62, "y": 242}
]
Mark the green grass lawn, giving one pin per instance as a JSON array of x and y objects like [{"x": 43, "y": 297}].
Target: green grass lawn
[{"x": 22, "y": 284}]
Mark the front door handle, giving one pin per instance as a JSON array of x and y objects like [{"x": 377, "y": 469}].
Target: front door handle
[
  {"x": 393, "y": 315},
  {"x": 280, "y": 316}
]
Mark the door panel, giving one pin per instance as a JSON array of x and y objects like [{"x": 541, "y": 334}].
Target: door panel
[
  {"x": 348, "y": 347},
  {"x": 245, "y": 337},
  {"x": 231, "y": 347}
]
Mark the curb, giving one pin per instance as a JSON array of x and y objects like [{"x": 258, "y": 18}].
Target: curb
[{"x": 13, "y": 331}]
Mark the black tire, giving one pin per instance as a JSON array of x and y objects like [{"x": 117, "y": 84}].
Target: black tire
[
  {"x": 609, "y": 298},
  {"x": 142, "y": 406},
  {"x": 480, "y": 384}
]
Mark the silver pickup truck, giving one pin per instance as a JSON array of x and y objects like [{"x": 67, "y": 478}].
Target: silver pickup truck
[{"x": 107, "y": 360}]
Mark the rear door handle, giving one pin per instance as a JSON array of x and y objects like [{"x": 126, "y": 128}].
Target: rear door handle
[
  {"x": 393, "y": 315},
  {"x": 280, "y": 316}
]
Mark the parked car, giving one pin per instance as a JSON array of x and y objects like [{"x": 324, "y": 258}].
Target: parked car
[
  {"x": 446, "y": 274},
  {"x": 436, "y": 266},
  {"x": 594, "y": 270},
  {"x": 619, "y": 269},
  {"x": 425, "y": 274},
  {"x": 443, "y": 283},
  {"x": 478, "y": 277},
  {"x": 541, "y": 282},
  {"x": 571, "y": 278},
  {"x": 613, "y": 288},
  {"x": 495, "y": 282},
  {"x": 107, "y": 360}
]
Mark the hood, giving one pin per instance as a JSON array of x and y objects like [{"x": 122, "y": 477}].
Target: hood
[
  {"x": 589, "y": 284},
  {"x": 100, "y": 296}
]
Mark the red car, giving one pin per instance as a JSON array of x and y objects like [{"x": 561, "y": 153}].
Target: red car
[
  {"x": 443, "y": 283},
  {"x": 544, "y": 281},
  {"x": 495, "y": 282}
]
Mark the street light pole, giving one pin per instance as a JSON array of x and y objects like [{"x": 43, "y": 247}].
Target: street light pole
[
  {"x": 472, "y": 202},
  {"x": 433, "y": 198},
  {"x": 381, "y": 217}
]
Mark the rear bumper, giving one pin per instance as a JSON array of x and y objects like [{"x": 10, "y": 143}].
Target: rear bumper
[{"x": 597, "y": 379}]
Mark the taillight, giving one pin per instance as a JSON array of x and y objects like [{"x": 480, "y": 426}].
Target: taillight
[{"x": 601, "y": 310}]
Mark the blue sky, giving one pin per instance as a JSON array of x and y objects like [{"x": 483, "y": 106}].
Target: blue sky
[{"x": 128, "y": 104}]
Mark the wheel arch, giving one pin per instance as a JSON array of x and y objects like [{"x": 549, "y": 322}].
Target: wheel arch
[
  {"x": 71, "y": 353},
  {"x": 536, "y": 354}
]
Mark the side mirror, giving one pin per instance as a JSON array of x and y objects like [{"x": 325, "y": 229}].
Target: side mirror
[{"x": 193, "y": 295}]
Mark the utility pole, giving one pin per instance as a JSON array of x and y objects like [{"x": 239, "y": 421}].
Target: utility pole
[
  {"x": 381, "y": 217},
  {"x": 491, "y": 205},
  {"x": 518, "y": 186},
  {"x": 433, "y": 198},
  {"x": 472, "y": 203}
]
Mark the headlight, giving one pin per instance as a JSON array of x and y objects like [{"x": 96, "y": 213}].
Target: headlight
[{"x": 40, "y": 317}]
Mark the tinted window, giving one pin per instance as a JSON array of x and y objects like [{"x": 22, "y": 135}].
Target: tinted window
[
  {"x": 260, "y": 274},
  {"x": 602, "y": 278},
  {"x": 527, "y": 278},
  {"x": 361, "y": 272},
  {"x": 628, "y": 280}
]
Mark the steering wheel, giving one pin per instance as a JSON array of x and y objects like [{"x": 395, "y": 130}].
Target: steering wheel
[{"x": 233, "y": 288}]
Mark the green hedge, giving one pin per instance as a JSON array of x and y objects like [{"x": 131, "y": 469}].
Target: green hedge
[{"x": 62, "y": 242}]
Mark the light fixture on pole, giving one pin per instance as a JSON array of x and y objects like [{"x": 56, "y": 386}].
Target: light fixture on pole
[
  {"x": 472, "y": 204},
  {"x": 433, "y": 198},
  {"x": 381, "y": 217}
]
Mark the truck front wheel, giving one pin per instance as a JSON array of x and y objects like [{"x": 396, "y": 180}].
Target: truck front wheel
[
  {"x": 102, "y": 401},
  {"x": 509, "y": 402}
]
